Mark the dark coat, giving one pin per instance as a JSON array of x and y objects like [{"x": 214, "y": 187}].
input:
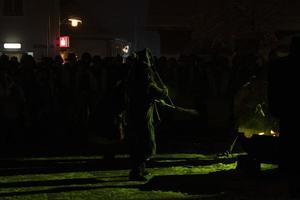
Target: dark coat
[{"x": 142, "y": 91}]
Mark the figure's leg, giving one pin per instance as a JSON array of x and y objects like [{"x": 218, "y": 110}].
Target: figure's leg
[{"x": 137, "y": 172}]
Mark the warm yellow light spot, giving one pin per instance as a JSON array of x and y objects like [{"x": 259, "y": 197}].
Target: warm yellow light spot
[
  {"x": 262, "y": 133},
  {"x": 275, "y": 134},
  {"x": 75, "y": 22},
  {"x": 63, "y": 56}
]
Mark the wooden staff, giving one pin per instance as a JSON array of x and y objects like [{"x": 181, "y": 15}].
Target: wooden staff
[
  {"x": 163, "y": 84},
  {"x": 171, "y": 105},
  {"x": 177, "y": 108}
]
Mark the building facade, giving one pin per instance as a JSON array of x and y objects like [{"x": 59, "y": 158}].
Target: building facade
[
  {"x": 34, "y": 26},
  {"x": 109, "y": 20},
  {"x": 30, "y": 26},
  {"x": 187, "y": 26}
]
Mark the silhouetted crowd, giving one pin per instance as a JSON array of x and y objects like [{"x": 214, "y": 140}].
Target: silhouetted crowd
[{"x": 53, "y": 99}]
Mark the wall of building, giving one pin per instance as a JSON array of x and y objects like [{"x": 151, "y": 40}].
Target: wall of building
[
  {"x": 206, "y": 21},
  {"x": 36, "y": 30},
  {"x": 95, "y": 45},
  {"x": 116, "y": 19}
]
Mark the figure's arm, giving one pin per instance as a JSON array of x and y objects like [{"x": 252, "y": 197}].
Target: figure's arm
[
  {"x": 157, "y": 92},
  {"x": 154, "y": 90}
]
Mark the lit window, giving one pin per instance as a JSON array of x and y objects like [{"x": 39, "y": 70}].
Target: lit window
[
  {"x": 64, "y": 41},
  {"x": 12, "y": 45}
]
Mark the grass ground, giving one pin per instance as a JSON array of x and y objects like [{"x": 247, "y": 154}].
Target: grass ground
[{"x": 175, "y": 176}]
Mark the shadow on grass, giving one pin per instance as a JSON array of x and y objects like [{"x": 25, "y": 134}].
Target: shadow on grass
[
  {"x": 23, "y": 167},
  {"x": 64, "y": 189},
  {"x": 173, "y": 162},
  {"x": 61, "y": 182},
  {"x": 191, "y": 184},
  {"x": 231, "y": 183},
  {"x": 11, "y": 167}
]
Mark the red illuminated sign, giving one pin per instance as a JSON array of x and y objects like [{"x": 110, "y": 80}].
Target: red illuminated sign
[{"x": 64, "y": 41}]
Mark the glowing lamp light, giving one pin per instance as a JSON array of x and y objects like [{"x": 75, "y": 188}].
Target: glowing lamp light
[
  {"x": 64, "y": 41},
  {"x": 75, "y": 22},
  {"x": 12, "y": 45},
  {"x": 126, "y": 49}
]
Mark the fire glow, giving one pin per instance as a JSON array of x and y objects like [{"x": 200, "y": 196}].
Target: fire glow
[{"x": 248, "y": 133}]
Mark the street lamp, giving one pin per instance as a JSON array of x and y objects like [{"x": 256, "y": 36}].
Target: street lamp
[
  {"x": 75, "y": 21},
  {"x": 64, "y": 39}
]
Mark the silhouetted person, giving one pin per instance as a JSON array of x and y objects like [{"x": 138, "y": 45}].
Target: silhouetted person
[
  {"x": 86, "y": 91},
  {"x": 284, "y": 104},
  {"x": 142, "y": 91}
]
